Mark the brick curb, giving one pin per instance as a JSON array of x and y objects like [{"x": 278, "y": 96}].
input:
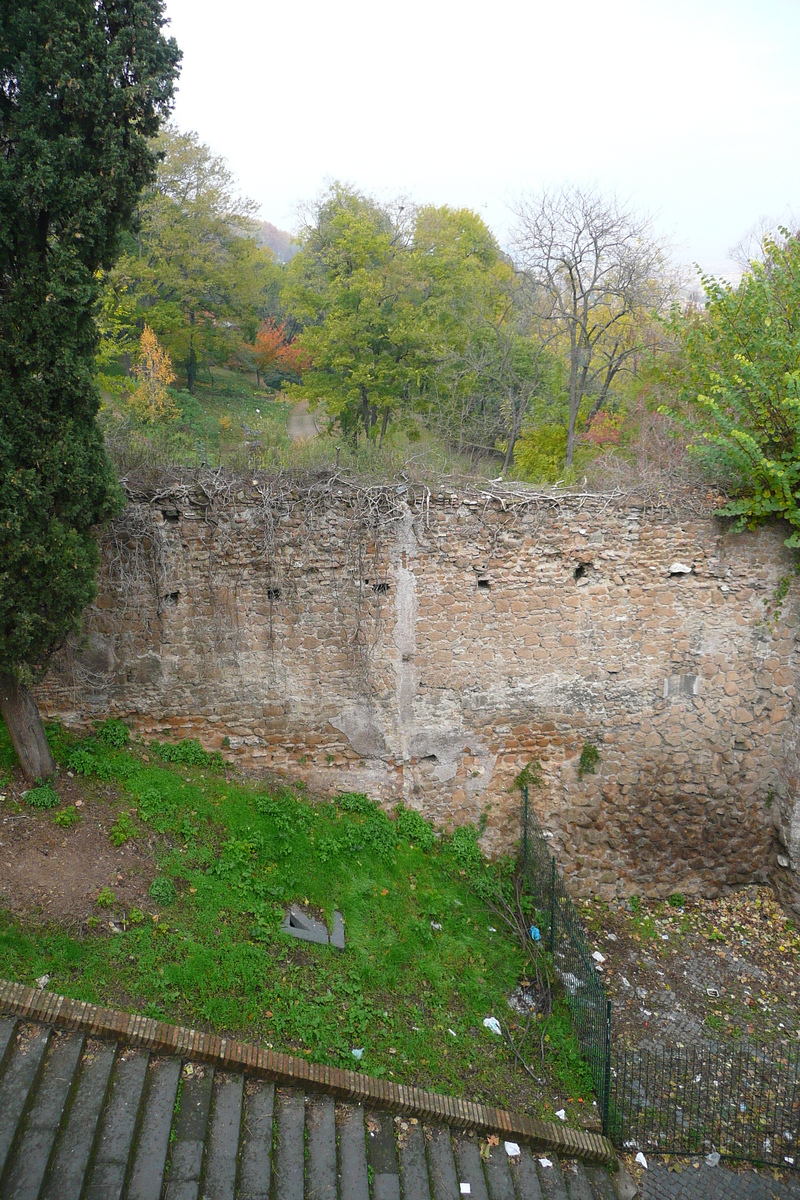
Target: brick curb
[{"x": 18, "y": 1000}]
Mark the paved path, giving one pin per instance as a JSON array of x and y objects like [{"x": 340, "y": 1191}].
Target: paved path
[
  {"x": 300, "y": 424},
  {"x": 713, "y": 1183},
  {"x": 85, "y": 1118}
]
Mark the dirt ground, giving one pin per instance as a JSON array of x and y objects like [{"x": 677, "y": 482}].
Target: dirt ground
[
  {"x": 57, "y": 873},
  {"x": 689, "y": 974}
]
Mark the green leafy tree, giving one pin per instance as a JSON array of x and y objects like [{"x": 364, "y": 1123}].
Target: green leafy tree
[
  {"x": 399, "y": 307},
  {"x": 741, "y": 374},
  {"x": 194, "y": 273},
  {"x": 354, "y": 289},
  {"x": 83, "y": 87}
]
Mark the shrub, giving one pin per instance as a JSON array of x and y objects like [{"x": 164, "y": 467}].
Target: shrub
[
  {"x": 189, "y": 752},
  {"x": 43, "y": 796},
  {"x": 113, "y": 734},
  {"x": 356, "y": 802},
  {"x": 162, "y": 890},
  {"x": 467, "y": 852},
  {"x": 84, "y": 762},
  {"x": 414, "y": 828},
  {"x": 67, "y": 818},
  {"x": 590, "y": 757},
  {"x": 122, "y": 830}
]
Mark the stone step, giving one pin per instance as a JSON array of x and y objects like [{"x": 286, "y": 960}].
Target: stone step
[
  {"x": 188, "y": 1136},
  {"x": 115, "y": 1134},
  {"x": 84, "y": 1119},
  {"x": 67, "y": 1172},
  {"x": 222, "y": 1149},
  {"x": 415, "y": 1184},
  {"x": 36, "y": 1137},
  {"x": 289, "y": 1156},
  {"x": 321, "y": 1142},
  {"x": 21, "y": 1067},
  {"x": 353, "y": 1174},
  {"x": 255, "y": 1164},
  {"x": 152, "y": 1144}
]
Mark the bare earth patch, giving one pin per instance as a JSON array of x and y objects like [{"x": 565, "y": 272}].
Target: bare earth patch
[
  {"x": 57, "y": 873},
  {"x": 692, "y": 974}
]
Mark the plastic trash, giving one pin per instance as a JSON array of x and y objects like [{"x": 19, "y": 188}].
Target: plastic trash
[
  {"x": 641, "y": 1160},
  {"x": 536, "y": 934},
  {"x": 493, "y": 1025},
  {"x": 742, "y": 1106},
  {"x": 598, "y": 957},
  {"x": 712, "y": 1159},
  {"x": 571, "y": 982},
  {"x": 512, "y": 1149},
  {"x": 545, "y": 1162},
  {"x": 492, "y": 929},
  {"x": 464, "y": 1188},
  {"x": 452, "y": 1032},
  {"x": 562, "y": 1116},
  {"x": 713, "y": 992},
  {"x": 436, "y": 925},
  {"x": 42, "y": 981},
  {"x": 611, "y": 937},
  {"x": 358, "y": 1053}
]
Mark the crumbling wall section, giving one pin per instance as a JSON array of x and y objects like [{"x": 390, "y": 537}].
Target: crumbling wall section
[{"x": 425, "y": 647}]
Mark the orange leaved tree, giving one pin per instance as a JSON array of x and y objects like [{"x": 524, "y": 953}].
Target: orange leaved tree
[{"x": 153, "y": 371}]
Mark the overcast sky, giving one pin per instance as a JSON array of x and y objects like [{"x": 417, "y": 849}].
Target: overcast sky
[{"x": 687, "y": 108}]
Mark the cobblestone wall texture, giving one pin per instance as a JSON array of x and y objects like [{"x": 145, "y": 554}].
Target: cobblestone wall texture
[{"x": 425, "y": 648}]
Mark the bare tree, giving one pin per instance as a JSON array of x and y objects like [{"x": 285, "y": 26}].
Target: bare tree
[{"x": 598, "y": 271}]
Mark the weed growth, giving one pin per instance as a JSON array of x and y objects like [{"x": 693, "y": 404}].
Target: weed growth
[{"x": 43, "y": 796}]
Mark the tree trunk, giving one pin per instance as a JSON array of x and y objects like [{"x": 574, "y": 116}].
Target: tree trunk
[
  {"x": 365, "y": 409},
  {"x": 384, "y": 425},
  {"x": 191, "y": 370},
  {"x": 25, "y": 727}
]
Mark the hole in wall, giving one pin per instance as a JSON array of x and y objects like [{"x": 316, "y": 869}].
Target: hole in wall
[
  {"x": 380, "y": 588},
  {"x": 580, "y": 570},
  {"x": 171, "y": 514},
  {"x": 170, "y": 599},
  {"x": 273, "y": 593},
  {"x": 429, "y": 758},
  {"x": 484, "y": 585}
]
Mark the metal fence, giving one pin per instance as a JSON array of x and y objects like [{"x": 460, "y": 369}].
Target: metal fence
[
  {"x": 740, "y": 1100},
  {"x": 571, "y": 953}
]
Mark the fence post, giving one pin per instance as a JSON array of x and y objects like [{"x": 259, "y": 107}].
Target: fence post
[
  {"x": 552, "y": 904},
  {"x": 525, "y": 827},
  {"x": 607, "y": 1072}
]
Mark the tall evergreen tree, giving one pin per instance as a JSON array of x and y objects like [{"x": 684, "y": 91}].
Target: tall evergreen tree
[{"x": 84, "y": 86}]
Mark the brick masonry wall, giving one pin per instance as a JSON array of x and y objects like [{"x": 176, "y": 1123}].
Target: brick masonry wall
[{"x": 425, "y": 648}]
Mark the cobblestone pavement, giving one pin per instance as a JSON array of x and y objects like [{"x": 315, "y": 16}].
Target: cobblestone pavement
[{"x": 661, "y": 1182}]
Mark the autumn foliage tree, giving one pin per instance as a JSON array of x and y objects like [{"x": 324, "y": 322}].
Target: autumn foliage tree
[
  {"x": 151, "y": 401},
  {"x": 276, "y": 357}
]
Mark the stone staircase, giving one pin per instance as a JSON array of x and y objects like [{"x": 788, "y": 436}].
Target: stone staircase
[{"x": 94, "y": 1118}]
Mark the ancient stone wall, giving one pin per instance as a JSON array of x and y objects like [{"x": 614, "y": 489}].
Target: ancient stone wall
[{"x": 425, "y": 648}]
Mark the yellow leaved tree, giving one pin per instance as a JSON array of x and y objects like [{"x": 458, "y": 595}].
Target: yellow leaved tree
[{"x": 151, "y": 401}]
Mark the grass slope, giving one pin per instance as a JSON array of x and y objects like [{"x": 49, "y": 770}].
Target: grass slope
[{"x": 422, "y": 967}]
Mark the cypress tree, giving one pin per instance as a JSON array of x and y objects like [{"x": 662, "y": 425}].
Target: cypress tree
[{"x": 84, "y": 86}]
